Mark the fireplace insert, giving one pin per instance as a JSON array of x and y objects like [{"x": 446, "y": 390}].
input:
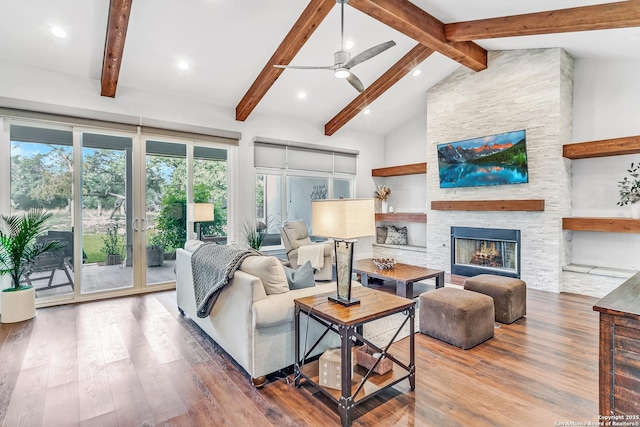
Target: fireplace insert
[{"x": 485, "y": 250}]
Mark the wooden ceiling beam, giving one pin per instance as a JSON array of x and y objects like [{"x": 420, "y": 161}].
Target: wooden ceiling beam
[
  {"x": 414, "y": 22},
  {"x": 400, "y": 69},
  {"x": 119, "y": 12},
  {"x": 587, "y": 18},
  {"x": 306, "y": 24}
]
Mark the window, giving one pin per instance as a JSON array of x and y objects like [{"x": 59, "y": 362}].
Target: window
[{"x": 290, "y": 175}]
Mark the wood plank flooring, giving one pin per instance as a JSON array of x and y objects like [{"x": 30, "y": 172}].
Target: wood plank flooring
[{"x": 135, "y": 361}]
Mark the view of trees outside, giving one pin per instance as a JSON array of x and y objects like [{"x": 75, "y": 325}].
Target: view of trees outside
[
  {"x": 167, "y": 198},
  {"x": 42, "y": 176}
]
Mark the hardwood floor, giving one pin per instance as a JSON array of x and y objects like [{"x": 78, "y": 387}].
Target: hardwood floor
[{"x": 136, "y": 361}]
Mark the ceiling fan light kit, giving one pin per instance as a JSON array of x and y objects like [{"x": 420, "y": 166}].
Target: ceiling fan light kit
[
  {"x": 342, "y": 60},
  {"x": 342, "y": 73}
]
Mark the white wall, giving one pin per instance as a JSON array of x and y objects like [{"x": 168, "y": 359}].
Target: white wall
[
  {"x": 606, "y": 105},
  {"x": 405, "y": 145},
  {"x": 42, "y": 86}
]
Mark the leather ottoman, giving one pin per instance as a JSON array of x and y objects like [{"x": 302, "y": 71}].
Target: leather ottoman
[
  {"x": 455, "y": 316},
  {"x": 509, "y": 295}
]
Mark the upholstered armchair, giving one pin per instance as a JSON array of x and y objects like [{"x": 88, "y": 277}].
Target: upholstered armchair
[{"x": 295, "y": 235}]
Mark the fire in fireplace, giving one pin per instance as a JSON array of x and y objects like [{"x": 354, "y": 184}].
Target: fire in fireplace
[{"x": 485, "y": 250}]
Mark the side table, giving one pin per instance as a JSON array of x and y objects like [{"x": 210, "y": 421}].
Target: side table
[{"x": 358, "y": 384}]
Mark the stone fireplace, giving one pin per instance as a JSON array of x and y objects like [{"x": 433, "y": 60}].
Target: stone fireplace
[
  {"x": 525, "y": 89},
  {"x": 485, "y": 251}
]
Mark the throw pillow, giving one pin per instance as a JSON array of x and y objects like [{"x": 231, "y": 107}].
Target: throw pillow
[
  {"x": 396, "y": 235},
  {"x": 270, "y": 271},
  {"x": 381, "y": 234},
  {"x": 300, "y": 278},
  {"x": 192, "y": 245}
]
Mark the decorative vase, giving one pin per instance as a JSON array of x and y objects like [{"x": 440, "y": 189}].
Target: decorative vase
[
  {"x": 385, "y": 206},
  {"x": 635, "y": 210},
  {"x": 19, "y": 305}
]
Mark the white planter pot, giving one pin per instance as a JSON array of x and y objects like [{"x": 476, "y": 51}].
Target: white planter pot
[
  {"x": 635, "y": 210},
  {"x": 384, "y": 206},
  {"x": 18, "y": 306}
]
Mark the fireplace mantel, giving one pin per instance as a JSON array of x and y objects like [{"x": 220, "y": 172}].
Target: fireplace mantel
[{"x": 532, "y": 205}]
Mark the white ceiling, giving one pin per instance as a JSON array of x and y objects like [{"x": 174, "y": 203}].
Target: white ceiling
[{"x": 228, "y": 42}]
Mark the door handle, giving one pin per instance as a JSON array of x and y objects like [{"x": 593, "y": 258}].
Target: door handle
[
  {"x": 145, "y": 224},
  {"x": 133, "y": 224}
]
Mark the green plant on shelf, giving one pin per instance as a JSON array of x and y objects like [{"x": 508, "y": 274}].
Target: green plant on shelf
[{"x": 630, "y": 186}]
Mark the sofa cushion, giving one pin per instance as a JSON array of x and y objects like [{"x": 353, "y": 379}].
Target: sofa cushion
[
  {"x": 278, "y": 309},
  {"x": 300, "y": 278},
  {"x": 270, "y": 271},
  {"x": 192, "y": 245}
]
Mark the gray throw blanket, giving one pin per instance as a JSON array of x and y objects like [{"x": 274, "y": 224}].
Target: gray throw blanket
[{"x": 213, "y": 266}]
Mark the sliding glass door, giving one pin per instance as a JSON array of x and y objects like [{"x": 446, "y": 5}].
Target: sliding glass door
[
  {"x": 107, "y": 212},
  {"x": 42, "y": 171},
  {"x": 119, "y": 202},
  {"x": 164, "y": 227}
]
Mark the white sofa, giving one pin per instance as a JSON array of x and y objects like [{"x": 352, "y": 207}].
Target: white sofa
[{"x": 255, "y": 329}]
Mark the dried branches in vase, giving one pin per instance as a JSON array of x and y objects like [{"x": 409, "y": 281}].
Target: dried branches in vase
[{"x": 381, "y": 193}]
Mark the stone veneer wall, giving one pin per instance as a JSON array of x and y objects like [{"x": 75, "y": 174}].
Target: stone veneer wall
[
  {"x": 529, "y": 90},
  {"x": 413, "y": 255}
]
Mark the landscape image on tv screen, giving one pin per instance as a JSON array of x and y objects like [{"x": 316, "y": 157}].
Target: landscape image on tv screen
[{"x": 488, "y": 160}]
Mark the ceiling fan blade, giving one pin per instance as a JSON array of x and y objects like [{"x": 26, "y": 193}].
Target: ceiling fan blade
[
  {"x": 369, "y": 53},
  {"x": 306, "y": 67},
  {"x": 355, "y": 82}
]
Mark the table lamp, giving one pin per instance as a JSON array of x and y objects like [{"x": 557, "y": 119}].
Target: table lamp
[
  {"x": 343, "y": 220},
  {"x": 202, "y": 212}
]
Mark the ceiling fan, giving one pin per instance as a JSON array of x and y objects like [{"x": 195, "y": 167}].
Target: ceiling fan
[{"x": 342, "y": 60}]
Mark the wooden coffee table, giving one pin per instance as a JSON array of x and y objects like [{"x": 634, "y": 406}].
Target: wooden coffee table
[{"x": 403, "y": 274}]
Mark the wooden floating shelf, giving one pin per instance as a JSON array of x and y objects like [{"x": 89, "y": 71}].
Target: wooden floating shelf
[
  {"x": 603, "y": 148},
  {"x": 611, "y": 225},
  {"x": 488, "y": 205},
  {"x": 412, "y": 169},
  {"x": 402, "y": 217}
]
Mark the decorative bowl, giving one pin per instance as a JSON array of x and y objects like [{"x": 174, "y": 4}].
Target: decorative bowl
[{"x": 384, "y": 263}]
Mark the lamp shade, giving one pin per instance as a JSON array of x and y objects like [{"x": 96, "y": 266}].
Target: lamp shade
[
  {"x": 202, "y": 212},
  {"x": 343, "y": 218}
]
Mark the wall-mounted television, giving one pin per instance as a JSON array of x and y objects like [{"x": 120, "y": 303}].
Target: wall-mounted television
[{"x": 488, "y": 160}]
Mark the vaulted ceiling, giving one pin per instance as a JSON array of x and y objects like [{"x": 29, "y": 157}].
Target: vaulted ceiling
[{"x": 232, "y": 45}]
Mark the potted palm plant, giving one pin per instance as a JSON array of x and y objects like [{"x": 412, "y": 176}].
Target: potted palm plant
[{"x": 18, "y": 251}]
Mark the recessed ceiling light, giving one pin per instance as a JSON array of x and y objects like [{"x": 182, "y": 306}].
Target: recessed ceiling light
[
  {"x": 367, "y": 111},
  {"x": 58, "y": 31},
  {"x": 302, "y": 95},
  {"x": 348, "y": 44},
  {"x": 183, "y": 65},
  {"x": 416, "y": 73}
]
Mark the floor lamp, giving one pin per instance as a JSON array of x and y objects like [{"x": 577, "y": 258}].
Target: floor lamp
[
  {"x": 202, "y": 212},
  {"x": 343, "y": 220}
]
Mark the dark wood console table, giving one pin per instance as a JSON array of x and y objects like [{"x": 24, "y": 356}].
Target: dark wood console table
[
  {"x": 620, "y": 350},
  {"x": 357, "y": 383}
]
